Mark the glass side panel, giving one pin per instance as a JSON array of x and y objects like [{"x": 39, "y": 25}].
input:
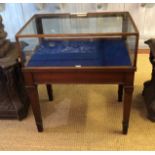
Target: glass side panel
[
  {"x": 78, "y": 53},
  {"x": 28, "y": 47},
  {"x": 69, "y": 24},
  {"x": 30, "y": 28},
  {"x": 131, "y": 47}
]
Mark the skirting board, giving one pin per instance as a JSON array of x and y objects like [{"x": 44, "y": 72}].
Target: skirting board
[{"x": 143, "y": 51}]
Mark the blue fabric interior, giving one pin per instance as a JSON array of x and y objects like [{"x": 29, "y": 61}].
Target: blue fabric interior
[{"x": 103, "y": 52}]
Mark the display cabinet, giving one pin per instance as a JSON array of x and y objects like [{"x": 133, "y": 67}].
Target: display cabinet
[{"x": 79, "y": 48}]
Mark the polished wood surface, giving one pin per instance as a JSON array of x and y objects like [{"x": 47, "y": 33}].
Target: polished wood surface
[{"x": 125, "y": 78}]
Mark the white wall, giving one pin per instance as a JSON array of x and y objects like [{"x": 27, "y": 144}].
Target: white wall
[{"x": 16, "y": 14}]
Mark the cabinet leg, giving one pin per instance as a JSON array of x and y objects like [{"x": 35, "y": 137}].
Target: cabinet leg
[
  {"x": 120, "y": 92},
  {"x": 34, "y": 100},
  {"x": 49, "y": 91},
  {"x": 128, "y": 90}
]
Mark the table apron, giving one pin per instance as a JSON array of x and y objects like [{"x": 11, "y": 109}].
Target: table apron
[{"x": 78, "y": 77}]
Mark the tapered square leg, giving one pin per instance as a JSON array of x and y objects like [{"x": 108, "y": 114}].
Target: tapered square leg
[
  {"x": 120, "y": 92},
  {"x": 49, "y": 91},
  {"x": 128, "y": 91},
  {"x": 34, "y": 99}
]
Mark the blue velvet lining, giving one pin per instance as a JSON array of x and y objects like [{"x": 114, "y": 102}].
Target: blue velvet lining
[{"x": 111, "y": 52}]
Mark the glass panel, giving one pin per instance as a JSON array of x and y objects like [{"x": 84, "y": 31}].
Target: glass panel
[
  {"x": 30, "y": 28},
  {"x": 28, "y": 48},
  {"x": 75, "y": 53},
  {"x": 127, "y": 25},
  {"x": 70, "y": 24},
  {"x": 82, "y": 25},
  {"x": 131, "y": 46}
]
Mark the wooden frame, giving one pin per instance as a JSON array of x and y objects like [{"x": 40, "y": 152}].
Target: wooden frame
[{"x": 124, "y": 76}]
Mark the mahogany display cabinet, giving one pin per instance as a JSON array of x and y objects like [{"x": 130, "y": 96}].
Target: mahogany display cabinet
[{"x": 90, "y": 48}]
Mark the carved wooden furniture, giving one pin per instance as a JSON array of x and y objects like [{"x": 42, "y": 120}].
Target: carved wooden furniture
[{"x": 79, "y": 48}]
